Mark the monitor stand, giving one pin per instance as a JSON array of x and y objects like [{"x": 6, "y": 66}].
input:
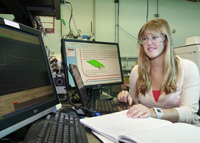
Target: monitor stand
[
  {"x": 105, "y": 96},
  {"x": 96, "y": 93}
]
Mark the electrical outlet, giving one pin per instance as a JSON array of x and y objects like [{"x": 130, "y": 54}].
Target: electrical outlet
[
  {"x": 156, "y": 15},
  {"x": 71, "y": 34},
  {"x": 173, "y": 31}
]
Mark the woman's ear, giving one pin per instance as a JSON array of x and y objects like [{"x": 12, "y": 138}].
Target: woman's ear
[{"x": 165, "y": 42}]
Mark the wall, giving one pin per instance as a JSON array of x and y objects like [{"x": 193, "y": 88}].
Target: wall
[{"x": 182, "y": 15}]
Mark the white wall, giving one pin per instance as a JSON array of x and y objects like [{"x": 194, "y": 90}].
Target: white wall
[{"x": 182, "y": 15}]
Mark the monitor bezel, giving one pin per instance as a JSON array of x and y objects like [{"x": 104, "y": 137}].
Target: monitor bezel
[
  {"x": 17, "y": 121},
  {"x": 63, "y": 53}
]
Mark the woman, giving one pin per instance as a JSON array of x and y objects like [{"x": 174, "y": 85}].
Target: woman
[{"x": 162, "y": 85}]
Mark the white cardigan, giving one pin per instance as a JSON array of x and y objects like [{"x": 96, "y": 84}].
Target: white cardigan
[{"x": 185, "y": 100}]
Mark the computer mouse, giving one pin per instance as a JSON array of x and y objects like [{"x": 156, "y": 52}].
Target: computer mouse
[{"x": 69, "y": 111}]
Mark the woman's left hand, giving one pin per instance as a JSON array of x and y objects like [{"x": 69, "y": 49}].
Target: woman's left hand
[{"x": 140, "y": 111}]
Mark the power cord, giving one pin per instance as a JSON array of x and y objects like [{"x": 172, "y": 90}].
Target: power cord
[
  {"x": 37, "y": 18},
  {"x": 72, "y": 16},
  {"x": 78, "y": 31},
  {"x": 89, "y": 112},
  {"x": 69, "y": 21}
]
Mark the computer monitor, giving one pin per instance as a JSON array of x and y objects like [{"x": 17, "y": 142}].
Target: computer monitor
[
  {"x": 27, "y": 90},
  {"x": 99, "y": 63}
]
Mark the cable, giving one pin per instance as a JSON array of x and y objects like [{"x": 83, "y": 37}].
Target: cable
[
  {"x": 74, "y": 21},
  {"x": 118, "y": 22},
  {"x": 127, "y": 33},
  {"x": 157, "y": 9},
  {"x": 69, "y": 21},
  {"x": 37, "y": 18},
  {"x": 147, "y": 10},
  {"x": 72, "y": 16},
  {"x": 89, "y": 112}
]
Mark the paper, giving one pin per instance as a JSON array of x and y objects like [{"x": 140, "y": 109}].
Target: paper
[
  {"x": 118, "y": 127},
  {"x": 102, "y": 138},
  {"x": 174, "y": 133},
  {"x": 115, "y": 124}
]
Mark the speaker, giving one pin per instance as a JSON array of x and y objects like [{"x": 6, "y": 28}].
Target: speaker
[
  {"x": 59, "y": 80},
  {"x": 60, "y": 84}
]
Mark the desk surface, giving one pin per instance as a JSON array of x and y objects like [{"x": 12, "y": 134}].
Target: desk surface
[{"x": 91, "y": 137}]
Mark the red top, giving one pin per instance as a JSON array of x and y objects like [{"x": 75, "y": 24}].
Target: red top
[{"x": 156, "y": 94}]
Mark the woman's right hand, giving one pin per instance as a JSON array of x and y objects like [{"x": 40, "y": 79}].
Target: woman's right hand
[{"x": 124, "y": 96}]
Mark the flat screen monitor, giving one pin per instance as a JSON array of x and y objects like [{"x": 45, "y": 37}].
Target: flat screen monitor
[
  {"x": 27, "y": 89},
  {"x": 99, "y": 63}
]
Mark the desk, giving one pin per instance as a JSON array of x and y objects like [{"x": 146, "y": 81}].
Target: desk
[{"x": 91, "y": 137}]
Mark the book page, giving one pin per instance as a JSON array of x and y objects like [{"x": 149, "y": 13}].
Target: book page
[
  {"x": 102, "y": 138},
  {"x": 115, "y": 124},
  {"x": 174, "y": 133}
]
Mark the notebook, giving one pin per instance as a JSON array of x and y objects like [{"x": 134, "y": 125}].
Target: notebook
[{"x": 98, "y": 105}]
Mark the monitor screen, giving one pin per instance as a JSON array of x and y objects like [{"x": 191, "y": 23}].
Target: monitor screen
[
  {"x": 27, "y": 90},
  {"x": 99, "y": 63}
]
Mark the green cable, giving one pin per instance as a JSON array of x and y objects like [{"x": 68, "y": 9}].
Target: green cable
[{"x": 62, "y": 17}]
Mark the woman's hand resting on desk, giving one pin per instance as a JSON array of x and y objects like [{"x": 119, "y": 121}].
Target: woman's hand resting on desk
[
  {"x": 137, "y": 110},
  {"x": 140, "y": 111}
]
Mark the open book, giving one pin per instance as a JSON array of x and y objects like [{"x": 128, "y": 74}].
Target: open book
[{"x": 118, "y": 127}]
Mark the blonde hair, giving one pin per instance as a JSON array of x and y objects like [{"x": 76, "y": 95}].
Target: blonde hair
[{"x": 170, "y": 65}]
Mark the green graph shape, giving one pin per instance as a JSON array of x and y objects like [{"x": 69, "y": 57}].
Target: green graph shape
[{"x": 96, "y": 64}]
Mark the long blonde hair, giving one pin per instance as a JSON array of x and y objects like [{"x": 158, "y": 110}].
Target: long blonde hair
[{"x": 170, "y": 65}]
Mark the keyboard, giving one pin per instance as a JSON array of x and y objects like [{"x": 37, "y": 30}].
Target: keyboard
[
  {"x": 57, "y": 128},
  {"x": 103, "y": 106}
]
